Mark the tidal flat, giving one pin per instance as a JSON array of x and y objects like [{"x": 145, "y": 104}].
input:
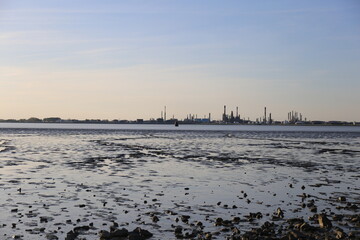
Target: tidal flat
[{"x": 179, "y": 184}]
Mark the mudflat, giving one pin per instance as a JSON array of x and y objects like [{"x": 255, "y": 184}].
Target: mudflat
[{"x": 163, "y": 184}]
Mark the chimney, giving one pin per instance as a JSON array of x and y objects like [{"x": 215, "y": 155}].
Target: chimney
[{"x": 265, "y": 115}]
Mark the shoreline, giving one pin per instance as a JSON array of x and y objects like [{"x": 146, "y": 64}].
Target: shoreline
[{"x": 188, "y": 123}]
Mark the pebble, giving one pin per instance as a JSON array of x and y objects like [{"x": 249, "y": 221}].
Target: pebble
[{"x": 324, "y": 222}]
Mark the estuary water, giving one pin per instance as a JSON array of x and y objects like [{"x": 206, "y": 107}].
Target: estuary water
[{"x": 57, "y": 177}]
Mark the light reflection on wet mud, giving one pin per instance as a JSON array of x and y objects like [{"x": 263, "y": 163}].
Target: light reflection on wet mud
[{"x": 55, "y": 180}]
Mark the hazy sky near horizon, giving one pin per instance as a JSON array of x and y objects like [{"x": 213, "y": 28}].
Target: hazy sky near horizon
[{"x": 128, "y": 59}]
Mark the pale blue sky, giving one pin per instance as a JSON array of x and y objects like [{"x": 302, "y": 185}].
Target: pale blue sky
[{"x": 127, "y": 59}]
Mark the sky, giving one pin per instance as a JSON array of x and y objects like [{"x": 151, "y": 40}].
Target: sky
[{"x": 90, "y": 59}]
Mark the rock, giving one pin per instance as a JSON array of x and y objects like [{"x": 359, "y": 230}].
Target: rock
[
  {"x": 170, "y": 212},
  {"x": 185, "y": 218},
  {"x": 119, "y": 233},
  {"x": 218, "y": 221},
  {"x": 324, "y": 222},
  {"x": 342, "y": 199},
  {"x": 155, "y": 219},
  {"x": 139, "y": 234},
  {"x": 337, "y": 217},
  {"x": 305, "y": 227},
  {"x": 114, "y": 226},
  {"x": 311, "y": 203},
  {"x": 354, "y": 234},
  {"x": 81, "y": 228},
  {"x": 303, "y": 196},
  {"x": 296, "y": 235},
  {"x": 313, "y": 209},
  {"x": 225, "y": 229},
  {"x": 280, "y": 213},
  {"x": 191, "y": 235},
  {"x": 353, "y": 207},
  {"x": 339, "y": 233},
  {"x": 104, "y": 234},
  {"x": 44, "y": 219},
  {"x": 51, "y": 236},
  {"x": 208, "y": 236},
  {"x": 235, "y": 230},
  {"x": 199, "y": 224},
  {"x": 355, "y": 219},
  {"x": 178, "y": 232},
  {"x": 71, "y": 235},
  {"x": 294, "y": 221}
]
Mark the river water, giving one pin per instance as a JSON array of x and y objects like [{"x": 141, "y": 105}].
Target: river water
[{"x": 55, "y": 177}]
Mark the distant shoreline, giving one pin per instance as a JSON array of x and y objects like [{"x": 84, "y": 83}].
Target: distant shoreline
[{"x": 355, "y": 124}]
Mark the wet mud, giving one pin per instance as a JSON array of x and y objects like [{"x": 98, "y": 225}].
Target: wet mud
[{"x": 78, "y": 184}]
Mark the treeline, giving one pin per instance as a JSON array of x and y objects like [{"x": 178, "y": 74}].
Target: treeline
[
  {"x": 34, "y": 120},
  {"x": 59, "y": 120}
]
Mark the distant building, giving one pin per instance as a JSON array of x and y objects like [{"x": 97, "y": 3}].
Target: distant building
[
  {"x": 52, "y": 120},
  {"x": 202, "y": 120}
]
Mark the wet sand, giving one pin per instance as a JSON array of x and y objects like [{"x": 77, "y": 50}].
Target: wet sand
[{"x": 58, "y": 184}]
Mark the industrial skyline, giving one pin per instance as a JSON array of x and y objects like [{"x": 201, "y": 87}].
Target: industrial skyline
[
  {"x": 293, "y": 117},
  {"x": 90, "y": 59}
]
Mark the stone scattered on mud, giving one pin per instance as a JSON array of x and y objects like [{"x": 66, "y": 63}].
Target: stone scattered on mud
[
  {"x": 324, "y": 222},
  {"x": 137, "y": 234}
]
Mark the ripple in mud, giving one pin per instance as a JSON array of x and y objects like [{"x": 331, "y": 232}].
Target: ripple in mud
[{"x": 178, "y": 185}]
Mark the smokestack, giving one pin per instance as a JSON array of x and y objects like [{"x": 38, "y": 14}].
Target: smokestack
[
  {"x": 224, "y": 109},
  {"x": 265, "y": 115},
  {"x": 165, "y": 113},
  {"x": 209, "y": 117},
  {"x": 237, "y": 111}
]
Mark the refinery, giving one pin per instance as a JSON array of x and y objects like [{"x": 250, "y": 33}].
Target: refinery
[{"x": 293, "y": 118}]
